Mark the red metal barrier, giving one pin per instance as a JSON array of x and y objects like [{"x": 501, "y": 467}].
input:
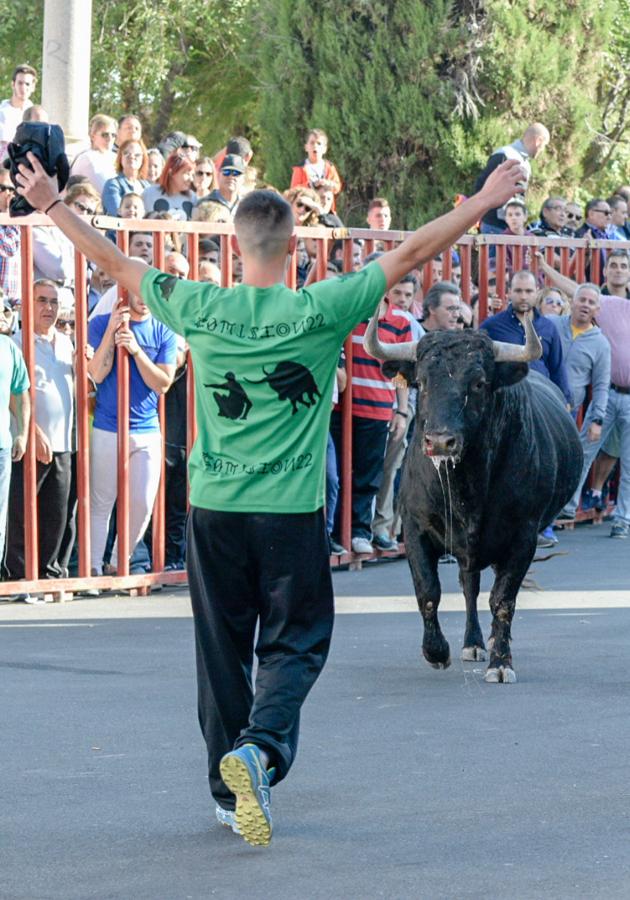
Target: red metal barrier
[{"x": 490, "y": 252}]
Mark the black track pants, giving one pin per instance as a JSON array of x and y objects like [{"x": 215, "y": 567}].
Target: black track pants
[{"x": 244, "y": 569}]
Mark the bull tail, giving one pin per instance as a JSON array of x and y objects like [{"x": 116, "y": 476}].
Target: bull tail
[{"x": 259, "y": 380}]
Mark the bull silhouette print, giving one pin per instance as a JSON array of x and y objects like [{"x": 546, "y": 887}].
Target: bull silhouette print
[
  {"x": 235, "y": 404},
  {"x": 293, "y": 382}
]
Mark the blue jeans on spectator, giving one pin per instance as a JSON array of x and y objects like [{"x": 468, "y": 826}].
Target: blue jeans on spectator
[
  {"x": 617, "y": 416},
  {"x": 5, "y": 481},
  {"x": 332, "y": 483}
]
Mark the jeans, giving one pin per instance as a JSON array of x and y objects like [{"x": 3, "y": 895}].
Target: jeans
[
  {"x": 617, "y": 418},
  {"x": 332, "y": 483},
  {"x": 369, "y": 438},
  {"x": 5, "y": 481}
]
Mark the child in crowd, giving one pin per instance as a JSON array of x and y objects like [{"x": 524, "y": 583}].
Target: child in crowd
[{"x": 315, "y": 168}]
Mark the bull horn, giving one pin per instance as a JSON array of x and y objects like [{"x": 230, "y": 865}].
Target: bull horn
[
  {"x": 532, "y": 349},
  {"x": 406, "y": 351}
]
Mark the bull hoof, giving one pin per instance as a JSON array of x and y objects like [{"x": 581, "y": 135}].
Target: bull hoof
[
  {"x": 490, "y": 643},
  {"x": 440, "y": 665},
  {"x": 471, "y": 654},
  {"x": 500, "y": 675}
]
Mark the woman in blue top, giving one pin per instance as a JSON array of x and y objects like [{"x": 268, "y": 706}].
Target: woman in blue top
[{"x": 131, "y": 164}]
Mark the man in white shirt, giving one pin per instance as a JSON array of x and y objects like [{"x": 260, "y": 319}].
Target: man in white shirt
[
  {"x": 13, "y": 109},
  {"x": 54, "y": 410}
]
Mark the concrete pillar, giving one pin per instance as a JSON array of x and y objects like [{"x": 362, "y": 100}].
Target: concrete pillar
[{"x": 66, "y": 66}]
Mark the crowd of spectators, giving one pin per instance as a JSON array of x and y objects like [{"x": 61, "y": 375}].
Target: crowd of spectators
[{"x": 584, "y": 330}]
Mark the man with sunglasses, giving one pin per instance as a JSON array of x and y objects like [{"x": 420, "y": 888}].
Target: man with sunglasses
[
  {"x": 230, "y": 181},
  {"x": 596, "y": 225},
  {"x": 553, "y": 218},
  {"x": 574, "y": 216},
  {"x": 10, "y": 260}
]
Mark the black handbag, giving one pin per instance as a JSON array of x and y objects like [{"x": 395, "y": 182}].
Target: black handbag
[{"x": 47, "y": 143}]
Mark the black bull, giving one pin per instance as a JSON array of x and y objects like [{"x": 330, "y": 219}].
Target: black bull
[{"x": 494, "y": 457}]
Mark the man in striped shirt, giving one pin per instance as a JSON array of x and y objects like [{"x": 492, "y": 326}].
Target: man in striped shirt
[{"x": 373, "y": 416}]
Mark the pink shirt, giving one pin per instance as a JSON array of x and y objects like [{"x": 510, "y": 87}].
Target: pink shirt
[{"x": 614, "y": 320}]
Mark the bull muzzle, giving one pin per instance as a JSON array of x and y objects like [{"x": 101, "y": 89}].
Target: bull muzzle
[{"x": 442, "y": 443}]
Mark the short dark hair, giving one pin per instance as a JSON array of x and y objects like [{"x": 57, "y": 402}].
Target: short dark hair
[
  {"x": 132, "y": 234},
  {"x": 433, "y": 296},
  {"x": 207, "y": 244},
  {"x": 409, "y": 278},
  {"x": 239, "y": 146},
  {"x": 592, "y": 204},
  {"x": 380, "y": 202},
  {"x": 522, "y": 273},
  {"x": 24, "y": 69},
  {"x": 264, "y": 223},
  {"x": 617, "y": 253},
  {"x": 127, "y": 116}
]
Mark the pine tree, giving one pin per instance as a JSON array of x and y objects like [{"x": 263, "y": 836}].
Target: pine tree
[{"x": 414, "y": 95}]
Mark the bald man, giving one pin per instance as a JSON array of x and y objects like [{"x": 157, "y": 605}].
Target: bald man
[{"x": 533, "y": 142}]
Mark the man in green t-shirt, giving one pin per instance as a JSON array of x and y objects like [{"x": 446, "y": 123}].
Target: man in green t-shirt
[{"x": 264, "y": 359}]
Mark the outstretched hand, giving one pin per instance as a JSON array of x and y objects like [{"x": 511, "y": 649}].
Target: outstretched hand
[
  {"x": 39, "y": 188},
  {"x": 504, "y": 182}
]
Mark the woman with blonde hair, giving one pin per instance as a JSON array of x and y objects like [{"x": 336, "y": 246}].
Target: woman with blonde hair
[
  {"x": 98, "y": 164},
  {"x": 131, "y": 164},
  {"x": 551, "y": 302},
  {"x": 305, "y": 204}
]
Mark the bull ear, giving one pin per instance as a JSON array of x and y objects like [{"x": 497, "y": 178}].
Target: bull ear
[
  {"x": 394, "y": 367},
  {"x": 507, "y": 373}
]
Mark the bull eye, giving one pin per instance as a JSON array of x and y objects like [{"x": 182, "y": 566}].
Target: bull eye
[{"x": 478, "y": 385}]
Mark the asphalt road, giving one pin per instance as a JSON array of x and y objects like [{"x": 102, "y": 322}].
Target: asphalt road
[{"x": 410, "y": 783}]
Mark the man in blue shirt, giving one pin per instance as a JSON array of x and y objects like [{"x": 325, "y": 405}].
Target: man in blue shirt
[{"x": 508, "y": 326}]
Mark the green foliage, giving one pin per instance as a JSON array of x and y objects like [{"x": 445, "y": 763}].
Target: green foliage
[
  {"x": 180, "y": 64},
  {"x": 414, "y": 95}
]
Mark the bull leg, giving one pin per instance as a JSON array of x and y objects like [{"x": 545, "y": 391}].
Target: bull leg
[
  {"x": 474, "y": 647},
  {"x": 423, "y": 561},
  {"x": 502, "y": 605}
]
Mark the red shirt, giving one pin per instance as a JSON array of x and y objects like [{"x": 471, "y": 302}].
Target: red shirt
[{"x": 373, "y": 395}]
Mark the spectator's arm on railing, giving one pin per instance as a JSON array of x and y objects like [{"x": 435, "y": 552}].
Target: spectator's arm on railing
[
  {"x": 434, "y": 237},
  {"x": 41, "y": 192},
  {"x": 20, "y": 406},
  {"x": 566, "y": 285},
  {"x": 157, "y": 376}
]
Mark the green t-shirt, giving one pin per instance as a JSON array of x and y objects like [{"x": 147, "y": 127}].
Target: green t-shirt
[
  {"x": 264, "y": 361},
  {"x": 13, "y": 380}
]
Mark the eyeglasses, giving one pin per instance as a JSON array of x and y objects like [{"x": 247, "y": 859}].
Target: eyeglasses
[
  {"x": 88, "y": 210},
  {"x": 605, "y": 212},
  {"x": 202, "y": 172},
  {"x": 552, "y": 301},
  {"x": 45, "y": 302},
  {"x": 107, "y": 134},
  {"x": 231, "y": 173},
  {"x": 574, "y": 216},
  {"x": 129, "y": 155},
  {"x": 64, "y": 323},
  {"x": 8, "y": 188}
]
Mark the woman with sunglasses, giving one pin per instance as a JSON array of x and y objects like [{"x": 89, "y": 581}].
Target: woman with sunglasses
[
  {"x": 174, "y": 191},
  {"x": 204, "y": 177},
  {"x": 99, "y": 162},
  {"x": 550, "y": 302},
  {"x": 131, "y": 166}
]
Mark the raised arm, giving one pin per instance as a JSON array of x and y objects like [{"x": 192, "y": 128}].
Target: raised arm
[
  {"x": 41, "y": 192},
  {"x": 566, "y": 285},
  {"x": 436, "y": 236}
]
